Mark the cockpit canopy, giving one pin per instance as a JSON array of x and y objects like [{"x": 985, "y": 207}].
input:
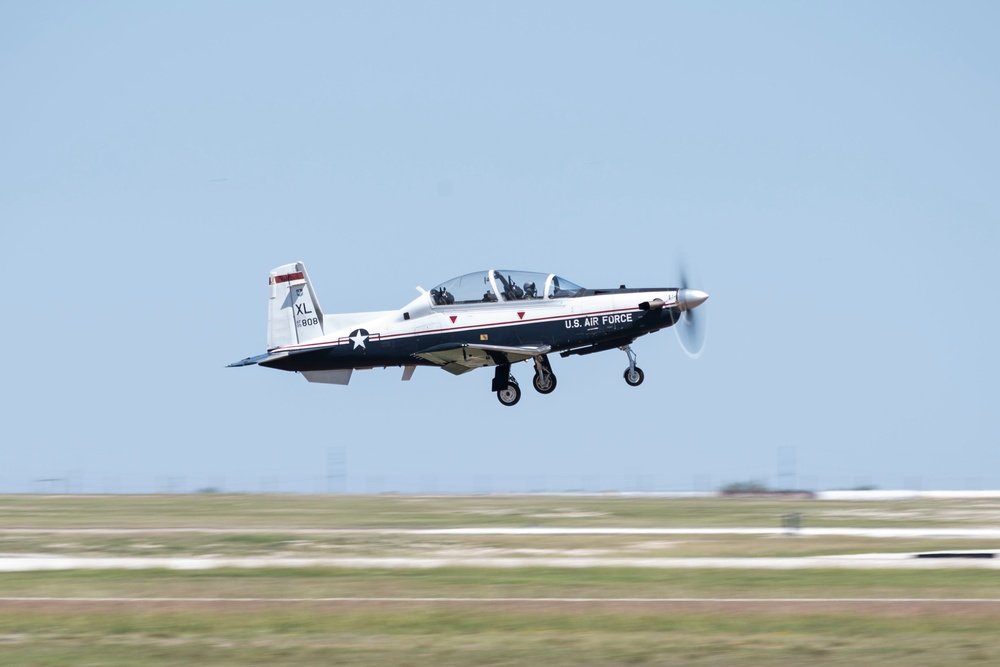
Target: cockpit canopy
[{"x": 501, "y": 285}]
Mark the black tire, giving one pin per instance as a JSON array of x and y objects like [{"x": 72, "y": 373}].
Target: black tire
[
  {"x": 510, "y": 395},
  {"x": 634, "y": 379},
  {"x": 546, "y": 388}
]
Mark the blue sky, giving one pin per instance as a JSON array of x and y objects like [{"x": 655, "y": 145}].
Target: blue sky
[{"x": 826, "y": 171}]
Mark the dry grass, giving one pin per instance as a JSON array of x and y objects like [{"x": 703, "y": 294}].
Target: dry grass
[
  {"x": 518, "y": 582},
  {"x": 275, "y": 512},
  {"x": 424, "y": 634},
  {"x": 481, "y": 633}
]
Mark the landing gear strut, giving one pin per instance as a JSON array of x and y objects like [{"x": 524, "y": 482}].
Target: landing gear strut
[
  {"x": 544, "y": 380},
  {"x": 633, "y": 374}
]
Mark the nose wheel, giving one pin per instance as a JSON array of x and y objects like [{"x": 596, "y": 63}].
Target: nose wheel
[{"x": 633, "y": 374}]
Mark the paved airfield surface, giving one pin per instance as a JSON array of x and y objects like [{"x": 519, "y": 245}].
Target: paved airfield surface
[
  {"x": 953, "y": 559},
  {"x": 970, "y": 533}
]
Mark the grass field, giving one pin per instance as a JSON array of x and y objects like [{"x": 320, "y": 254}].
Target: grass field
[
  {"x": 483, "y": 631},
  {"x": 468, "y": 634},
  {"x": 510, "y": 634},
  {"x": 250, "y": 511}
]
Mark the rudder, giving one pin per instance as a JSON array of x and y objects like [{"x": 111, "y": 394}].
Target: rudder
[{"x": 293, "y": 315}]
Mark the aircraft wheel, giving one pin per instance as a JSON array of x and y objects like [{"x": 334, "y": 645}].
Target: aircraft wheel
[
  {"x": 509, "y": 395},
  {"x": 544, "y": 385},
  {"x": 634, "y": 378}
]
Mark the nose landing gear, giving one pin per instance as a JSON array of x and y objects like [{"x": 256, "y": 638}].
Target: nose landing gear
[{"x": 633, "y": 374}]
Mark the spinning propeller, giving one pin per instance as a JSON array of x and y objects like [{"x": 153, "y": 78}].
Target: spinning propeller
[{"x": 690, "y": 326}]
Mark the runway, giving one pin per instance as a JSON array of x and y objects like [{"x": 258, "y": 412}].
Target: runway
[
  {"x": 949, "y": 533},
  {"x": 506, "y": 600},
  {"x": 982, "y": 559},
  {"x": 858, "y": 562}
]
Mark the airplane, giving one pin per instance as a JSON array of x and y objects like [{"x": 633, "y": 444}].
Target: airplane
[{"x": 488, "y": 318}]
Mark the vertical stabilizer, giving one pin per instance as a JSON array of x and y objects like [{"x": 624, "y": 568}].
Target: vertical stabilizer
[{"x": 293, "y": 314}]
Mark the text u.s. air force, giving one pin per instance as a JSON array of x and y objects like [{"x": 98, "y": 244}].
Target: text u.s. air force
[{"x": 599, "y": 321}]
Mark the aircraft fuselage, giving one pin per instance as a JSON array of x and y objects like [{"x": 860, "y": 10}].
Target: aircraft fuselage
[
  {"x": 600, "y": 318},
  {"x": 489, "y": 318}
]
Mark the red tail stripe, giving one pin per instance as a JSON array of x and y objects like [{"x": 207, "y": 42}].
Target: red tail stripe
[{"x": 298, "y": 275}]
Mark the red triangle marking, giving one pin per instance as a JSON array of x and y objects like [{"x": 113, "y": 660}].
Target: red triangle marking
[
  {"x": 453, "y": 318},
  {"x": 520, "y": 314}
]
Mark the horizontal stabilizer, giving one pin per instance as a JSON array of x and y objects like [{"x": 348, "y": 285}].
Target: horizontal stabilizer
[{"x": 262, "y": 359}]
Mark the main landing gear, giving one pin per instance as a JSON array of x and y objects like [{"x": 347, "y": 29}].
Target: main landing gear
[
  {"x": 506, "y": 387},
  {"x": 510, "y": 394},
  {"x": 544, "y": 380},
  {"x": 504, "y": 384},
  {"x": 633, "y": 374}
]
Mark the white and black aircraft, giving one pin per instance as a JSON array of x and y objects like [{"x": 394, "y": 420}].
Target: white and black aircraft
[{"x": 490, "y": 318}]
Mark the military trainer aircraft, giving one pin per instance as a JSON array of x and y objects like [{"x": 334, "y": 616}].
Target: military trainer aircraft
[{"x": 489, "y": 318}]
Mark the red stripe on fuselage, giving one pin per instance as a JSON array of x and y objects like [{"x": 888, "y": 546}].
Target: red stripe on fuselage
[{"x": 425, "y": 332}]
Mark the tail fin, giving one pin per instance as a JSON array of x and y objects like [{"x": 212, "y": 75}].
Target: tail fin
[{"x": 293, "y": 315}]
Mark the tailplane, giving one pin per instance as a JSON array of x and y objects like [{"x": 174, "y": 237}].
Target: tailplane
[{"x": 293, "y": 314}]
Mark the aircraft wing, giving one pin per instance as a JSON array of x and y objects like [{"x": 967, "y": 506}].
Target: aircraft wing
[
  {"x": 458, "y": 358},
  {"x": 249, "y": 361}
]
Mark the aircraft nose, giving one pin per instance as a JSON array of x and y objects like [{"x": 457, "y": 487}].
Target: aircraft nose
[{"x": 690, "y": 298}]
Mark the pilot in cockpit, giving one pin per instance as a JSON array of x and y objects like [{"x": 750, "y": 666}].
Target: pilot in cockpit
[
  {"x": 442, "y": 297},
  {"x": 529, "y": 290}
]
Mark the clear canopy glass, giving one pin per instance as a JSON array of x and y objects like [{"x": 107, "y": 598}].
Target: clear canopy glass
[{"x": 502, "y": 285}]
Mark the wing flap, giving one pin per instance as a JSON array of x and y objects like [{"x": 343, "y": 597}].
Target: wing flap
[
  {"x": 329, "y": 377},
  {"x": 458, "y": 358}
]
